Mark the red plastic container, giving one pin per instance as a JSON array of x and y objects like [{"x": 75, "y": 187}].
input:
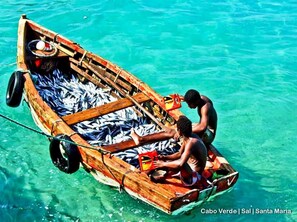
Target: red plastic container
[
  {"x": 146, "y": 160},
  {"x": 172, "y": 102}
]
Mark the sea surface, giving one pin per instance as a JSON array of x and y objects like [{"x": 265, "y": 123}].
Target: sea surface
[{"x": 242, "y": 54}]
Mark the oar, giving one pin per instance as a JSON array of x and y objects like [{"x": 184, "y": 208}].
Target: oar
[{"x": 113, "y": 84}]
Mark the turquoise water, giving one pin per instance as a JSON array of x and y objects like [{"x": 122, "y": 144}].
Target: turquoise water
[{"x": 242, "y": 54}]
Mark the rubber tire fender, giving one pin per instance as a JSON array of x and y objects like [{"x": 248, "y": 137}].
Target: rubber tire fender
[
  {"x": 64, "y": 155},
  {"x": 15, "y": 89}
]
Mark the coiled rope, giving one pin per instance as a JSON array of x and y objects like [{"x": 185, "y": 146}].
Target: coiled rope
[{"x": 53, "y": 137}]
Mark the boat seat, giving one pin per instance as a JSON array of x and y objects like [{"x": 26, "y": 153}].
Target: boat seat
[{"x": 104, "y": 109}]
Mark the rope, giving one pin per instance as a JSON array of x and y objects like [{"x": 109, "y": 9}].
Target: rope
[
  {"x": 53, "y": 137},
  {"x": 55, "y": 38},
  {"x": 211, "y": 184},
  {"x": 80, "y": 61},
  {"x": 116, "y": 78},
  {"x": 26, "y": 127},
  {"x": 67, "y": 141},
  {"x": 112, "y": 174},
  {"x": 123, "y": 178},
  {"x": 57, "y": 121}
]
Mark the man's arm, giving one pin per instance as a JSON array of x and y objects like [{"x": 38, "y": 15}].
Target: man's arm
[
  {"x": 182, "y": 98},
  {"x": 200, "y": 127},
  {"x": 178, "y": 163},
  {"x": 173, "y": 156}
]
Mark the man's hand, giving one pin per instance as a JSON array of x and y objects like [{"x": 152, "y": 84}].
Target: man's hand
[
  {"x": 181, "y": 97},
  {"x": 159, "y": 163},
  {"x": 161, "y": 157},
  {"x": 176, "y": 136}
]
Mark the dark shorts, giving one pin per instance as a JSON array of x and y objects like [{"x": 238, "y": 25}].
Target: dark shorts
[{"x": 208, "y": 136}]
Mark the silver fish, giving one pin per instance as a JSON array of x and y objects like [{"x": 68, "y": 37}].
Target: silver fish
[{"x": 68, "y": 95}]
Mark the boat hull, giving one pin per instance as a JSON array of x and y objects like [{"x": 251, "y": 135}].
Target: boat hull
[{"x": 101, "y": 161}]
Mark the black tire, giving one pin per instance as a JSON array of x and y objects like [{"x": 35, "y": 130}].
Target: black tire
[
  {"x": 15, "y": 89},
  {"x": 67, "y": 162}
]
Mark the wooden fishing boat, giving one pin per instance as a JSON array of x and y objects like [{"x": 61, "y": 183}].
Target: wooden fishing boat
[{"x": 40, "y": 51}]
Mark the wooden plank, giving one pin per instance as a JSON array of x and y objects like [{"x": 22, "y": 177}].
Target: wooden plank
[
  {"x": 113, "y": 148},
  {"x": 103, "y": 72},
  {"x": 104, "y": 109},
  {"x": 118, "y": 80},
  {"x": 125, "y": 145},
  {"x": 86, "y": 75},
  {"x": 64, "y": 50}
]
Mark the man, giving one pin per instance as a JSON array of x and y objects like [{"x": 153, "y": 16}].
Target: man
[
  {"x": 207, "y": 126},
  {"x": 190, "y": 160}
]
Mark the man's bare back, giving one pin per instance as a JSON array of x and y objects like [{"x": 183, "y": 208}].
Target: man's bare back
[
  {"x": 197, "y": 160},
  {"x": 212, "y": 114},
  {"x": 207, "y": 126}
]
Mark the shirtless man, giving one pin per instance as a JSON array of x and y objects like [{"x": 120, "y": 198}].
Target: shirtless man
[
  {"x": 205, "y": 129},
  {"x": 207, "y": 126},
  {"x": 190, "y": 160}
]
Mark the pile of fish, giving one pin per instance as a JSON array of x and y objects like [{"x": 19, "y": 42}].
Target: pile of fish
[{"x": 66, "y": 94}]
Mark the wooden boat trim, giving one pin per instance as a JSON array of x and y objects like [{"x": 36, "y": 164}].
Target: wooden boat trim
[{"x": 104, "y": 109}]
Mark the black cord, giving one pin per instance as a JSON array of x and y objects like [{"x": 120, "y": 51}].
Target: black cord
[
  {"x": 52, "y": 137},
  {"x": 22, "y": 125}
]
